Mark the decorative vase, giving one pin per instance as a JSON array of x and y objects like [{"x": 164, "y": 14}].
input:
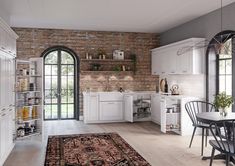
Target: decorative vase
[{"x": 223, "y": 112}]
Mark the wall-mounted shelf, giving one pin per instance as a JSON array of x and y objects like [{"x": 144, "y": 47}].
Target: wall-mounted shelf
[
  {"x": 108, "y": 65},
  {"x": 107, "y": 60},
  {"x": 108, "y": 72}
]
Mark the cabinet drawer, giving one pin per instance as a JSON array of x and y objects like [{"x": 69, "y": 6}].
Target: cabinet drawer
[
  {"x": 111, "y": 111},
  {"x": 111, "y": 97}
]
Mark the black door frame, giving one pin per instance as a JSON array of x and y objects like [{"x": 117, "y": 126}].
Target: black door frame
[{"x": 76, "y": 76}]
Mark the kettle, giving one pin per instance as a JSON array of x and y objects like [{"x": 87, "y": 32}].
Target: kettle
[{"x": 174, "y": 89}]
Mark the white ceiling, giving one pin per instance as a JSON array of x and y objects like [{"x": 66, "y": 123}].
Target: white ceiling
[{"x": 107, "y": 15}]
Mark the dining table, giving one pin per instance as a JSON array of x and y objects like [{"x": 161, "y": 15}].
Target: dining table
[{"x": 210, "y": 117}]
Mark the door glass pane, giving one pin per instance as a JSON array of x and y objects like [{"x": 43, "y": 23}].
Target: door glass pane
[
  {"x": 64, "y": 96},
  {"x": 70, "y": 82},
  {"x": 66, "y": 58},
  {"x": 52, "y": 58},
  {"x": 47, "y": 110},
  {"x": 64, "y": 111},
  {"x": 54, "y": 70},
  {"x": 64, "y": 70},
  {"x": 71, "y": 70},
  {"x": 54, "y": 82},
  {"x": 70, "y": 110},
  {"x": 54, "y": 111},
  {"x": 70, "y": 96},
  {"x": 64, "y": 82},
  {"x": 47, "y": 96},
  {"x": 47, "y": 80},
  {"x": 54, "y": 96},
  {"x": 47, "y": 70}
]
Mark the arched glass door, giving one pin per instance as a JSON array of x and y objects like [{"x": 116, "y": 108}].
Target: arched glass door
[{"x": 59, "y": 85}]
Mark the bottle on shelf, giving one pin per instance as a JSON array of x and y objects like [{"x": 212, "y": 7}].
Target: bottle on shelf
[{"x": 166, "y": 86}]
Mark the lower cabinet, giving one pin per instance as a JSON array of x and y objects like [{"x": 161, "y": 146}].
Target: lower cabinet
[
  {"x": 156, "y": 108},
  {"x": 111, "y": 111},
  {"x": 6, "y": 133}
]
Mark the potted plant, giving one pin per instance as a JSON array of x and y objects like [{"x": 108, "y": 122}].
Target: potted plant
[{"x": 222, "y": 102}]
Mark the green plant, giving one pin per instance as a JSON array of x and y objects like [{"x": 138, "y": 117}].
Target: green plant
[
  {"x": 96, "y": 67},
  {"x": 101, "y": 51},
  {"x": 223, "y": 101},
  {"x": 117, "y": 68}
]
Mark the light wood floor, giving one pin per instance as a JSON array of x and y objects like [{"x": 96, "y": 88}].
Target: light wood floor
[{"x": 145, "y": 137}]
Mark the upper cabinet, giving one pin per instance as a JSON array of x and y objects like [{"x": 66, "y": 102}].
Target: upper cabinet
[
  {"x": 184, "y": 57},
  {"x": 7, "y": 39}
]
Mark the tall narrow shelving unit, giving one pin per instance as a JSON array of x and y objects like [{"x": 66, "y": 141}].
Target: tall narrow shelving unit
[{"x": 29, "y": 98}]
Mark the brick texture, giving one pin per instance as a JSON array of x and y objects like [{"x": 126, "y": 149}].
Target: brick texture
[{"x": 32, "y": 42}]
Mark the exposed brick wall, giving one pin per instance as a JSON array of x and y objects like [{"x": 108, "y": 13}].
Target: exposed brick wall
[{"x": 32, "y": 42}]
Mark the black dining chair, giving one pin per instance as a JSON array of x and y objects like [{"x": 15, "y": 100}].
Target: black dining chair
[
  {"x": 193, "y": 108},
  {"x": 224, "y": 139}
]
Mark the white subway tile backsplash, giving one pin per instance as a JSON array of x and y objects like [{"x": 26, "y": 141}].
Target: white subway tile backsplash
[{"x": 192, "y": 85}]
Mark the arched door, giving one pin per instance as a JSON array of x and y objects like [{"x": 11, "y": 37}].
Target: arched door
[{"x": 60, "y": 84}]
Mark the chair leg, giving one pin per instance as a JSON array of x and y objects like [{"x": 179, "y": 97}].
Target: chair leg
[
  {"x": 194, "y": 130},
  {"x": 207, "y": 133},
  {"x": 227, "y": 159},
  {"x": 202, "y": 141},
  {"x": 212, "y": 156}
]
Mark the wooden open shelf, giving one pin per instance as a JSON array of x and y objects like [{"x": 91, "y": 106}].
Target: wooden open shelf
[
  {"x": 108, "y": 72},
  {"x": 107, "y": 60}
]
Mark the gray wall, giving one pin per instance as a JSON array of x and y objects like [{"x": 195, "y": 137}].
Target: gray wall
[
  {"x": 4, "y": 15},
  {"x": 206, "y": 26}
]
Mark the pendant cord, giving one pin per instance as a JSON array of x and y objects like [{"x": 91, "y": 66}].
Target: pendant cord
[{"x": 221, "y": 15}]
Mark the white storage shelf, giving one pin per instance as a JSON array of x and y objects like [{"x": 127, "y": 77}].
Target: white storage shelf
[{"x": 25, "y": 93}]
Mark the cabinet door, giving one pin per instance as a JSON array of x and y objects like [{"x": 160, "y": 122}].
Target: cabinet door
[
  {"x": 3, "y": 140},
  {"x": 184, "y": 63},
  {"x": 128, "y": 108},
  {"x": 156, "y": 64},
  {"x": 163, "y": 115},
  {"x": 9, "y": 131},
  {"x": 111, "y": 111},
  {"x": 3, "y": 34},
  {"x": 93, "y": 110},
  {"x": 156, "y": 109},
  {"x": 1, "y": 81}
]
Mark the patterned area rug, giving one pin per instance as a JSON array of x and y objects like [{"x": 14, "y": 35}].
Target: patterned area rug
[{"x": 107, "y": 149}]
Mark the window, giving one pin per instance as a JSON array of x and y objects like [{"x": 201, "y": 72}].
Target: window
[{"x": 224, "y": 69}]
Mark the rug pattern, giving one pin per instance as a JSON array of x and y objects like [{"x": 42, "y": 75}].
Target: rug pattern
[{"x": 105, "y": 149}]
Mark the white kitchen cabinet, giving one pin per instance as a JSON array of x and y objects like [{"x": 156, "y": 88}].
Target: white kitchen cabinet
[
  {"x": 167, "y": 60},
  {"x": 156, "y": 108},
  {"x": 6, "y": 133},
  {"x": 7, "y": 97},
  {"x": 128, "y": 108},
  {"x": 93, "y": 108},
  {"x": 111, "y": 111},
  {"x": 174, "y": 117}
]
